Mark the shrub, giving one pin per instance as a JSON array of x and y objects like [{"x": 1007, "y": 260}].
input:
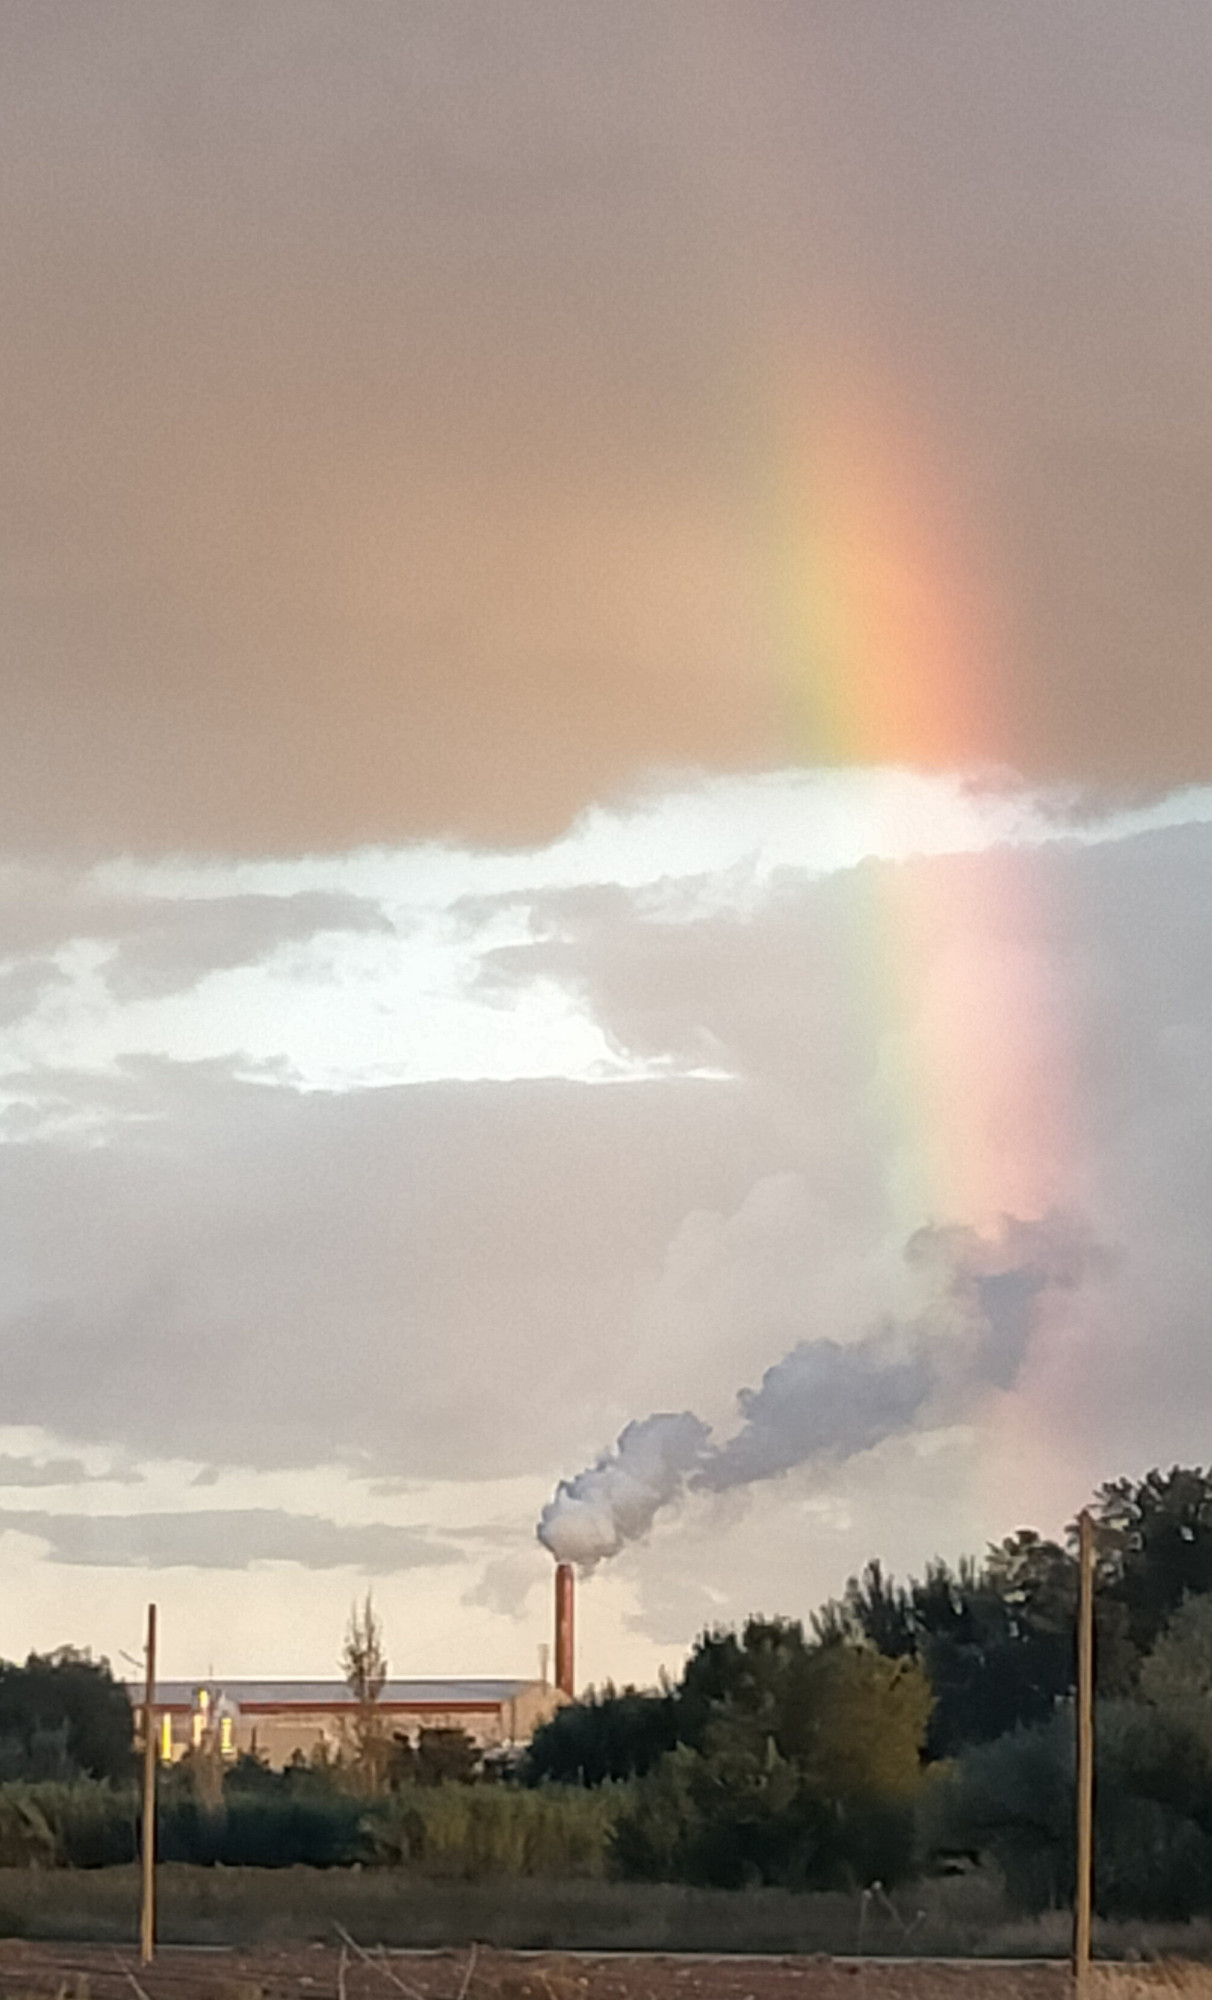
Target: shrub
[
  {"x": 1013, "y": 1800},
  {"x": 473, "y": 1832}
]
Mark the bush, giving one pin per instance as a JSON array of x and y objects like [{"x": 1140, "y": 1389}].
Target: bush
[
  {"x": 803, "y": 1771},
  {"x": 474, "y": 1832},
  {"x": 1013, "y": 1801},
  {"x": 86, "y": 1824},
  {"x": 63, "y": 1715},
  {"x": 253, "y": 1830}
]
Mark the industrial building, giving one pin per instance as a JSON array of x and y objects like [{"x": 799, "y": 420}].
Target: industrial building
[
  {"x": 283, "y": 1720},
  {"x": 279, "y": 1720}
]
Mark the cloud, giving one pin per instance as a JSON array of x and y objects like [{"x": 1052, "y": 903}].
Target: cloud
[
  {"x": 506, "y": 1584},
  {"x": 16, "y": 1471},
  {"x": 414, "y": 1281},
  {"x": 161, "y": 945},
  {"x": 337, "y": 516},
  {"x": 169, "y": 946},
  {"x": 826, "y": 1402},
  {"x": 226, "y": 1539},
  {"x": 461, "y": 1281},
  {"x": 24, "y": 986}
]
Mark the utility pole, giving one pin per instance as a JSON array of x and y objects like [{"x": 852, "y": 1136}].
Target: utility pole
[
  {"x": 147, "y": 1900},
  {"x": 1085, "y": 1755}
]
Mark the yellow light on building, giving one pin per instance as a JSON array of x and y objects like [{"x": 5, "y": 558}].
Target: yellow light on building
[{"x": 166, "y": 1739}]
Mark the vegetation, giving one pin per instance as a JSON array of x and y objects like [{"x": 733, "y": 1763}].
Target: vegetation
[
  {"x": 311, "y": 1818},
  {"x": 63, "y": 1716},
  {"x": 479, "y": 1833},
  {"x": 222, "y": 1906},
  {"x": 796, "y": 1763},
  {"x": 917, "y": 1726},
  {"x": 365, "y": 1665},
  {"x": 779, "y": 1759}
]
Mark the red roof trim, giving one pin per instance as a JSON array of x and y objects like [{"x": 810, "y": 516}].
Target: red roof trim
[{"x": 349, "y": 1708}]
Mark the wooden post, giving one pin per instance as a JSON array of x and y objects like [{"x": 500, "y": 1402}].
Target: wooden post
[
  {"x": 147, "y": 1901},
  {"x": 1085, "y": 1756}
]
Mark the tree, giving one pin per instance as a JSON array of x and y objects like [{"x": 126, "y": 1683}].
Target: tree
[
  {"x": 1013, "y": 1801},
  {"x": 1179, "y": 1668},
  {"x": 365, "y": 1665},
  {"x": 1156, "y": 1546},
  {"x": 798, "y": 1761},
  {"x": 994, "y": 1639},
  {"x": 612, "y": 1735},
  {"x": 63, "y": 1714},
  {"x": 445, "y": 1757}
]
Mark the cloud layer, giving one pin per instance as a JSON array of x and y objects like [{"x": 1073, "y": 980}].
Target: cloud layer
[
  {"x": 448, "y": 1286},
  {"x": 224, "y": 1538}
]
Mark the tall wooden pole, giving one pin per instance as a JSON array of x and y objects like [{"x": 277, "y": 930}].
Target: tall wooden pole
[
  {"x": 1085, "y": 1756},
  {"x": 147, "y": 1901}
]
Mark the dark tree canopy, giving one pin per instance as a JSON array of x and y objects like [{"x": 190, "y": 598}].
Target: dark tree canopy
[
  {"x": 611, "y": 1735},
  {"x": 994, "y": 1639},
  {"x": 1155, "y": 1543},
  {"x": 63, "y": 1714},
  {"x": 776, "y": 1758}
]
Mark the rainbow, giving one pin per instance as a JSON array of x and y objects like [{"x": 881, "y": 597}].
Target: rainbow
[{"x": 886, "y": 635}]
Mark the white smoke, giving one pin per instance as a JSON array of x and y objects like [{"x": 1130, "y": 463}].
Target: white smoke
[
  {"x": 617, "y": 1499},
  {"x": 826, "y": 1400}
]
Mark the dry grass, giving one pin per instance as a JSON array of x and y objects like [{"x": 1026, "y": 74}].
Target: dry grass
[
  {"x": 1151, "y": 1982},
  {"x": 958, "y": 1918}
]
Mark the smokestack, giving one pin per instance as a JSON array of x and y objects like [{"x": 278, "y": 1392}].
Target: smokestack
[{"x": 565, "y": 1668}]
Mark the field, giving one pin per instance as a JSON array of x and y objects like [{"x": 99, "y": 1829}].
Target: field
[
  {"x": 301, "y": 1913},
  {"x": 345, "y": 1972}
]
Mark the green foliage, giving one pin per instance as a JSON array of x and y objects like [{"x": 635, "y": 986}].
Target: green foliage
[
  {"x": 261, "y": 1831},
  {"x": 1155, "y": 1542},
  {"x": 474, "y": 1833},
  {"x": 446, "y": 1831},
  {"x": 1013, "y": 1800},
  {"x": 995, "y": 1641},
  {"x": 609, "y": 1736},
  {"x": 439, "y": 1757},
  {"x": 63, "y": 1715},
  {"x": 84, "y": 1824},
  {"x": 364, "y": 1664},
  {"x": 799, "y": 1764},
  {"x": 1179, "y": 1668}
]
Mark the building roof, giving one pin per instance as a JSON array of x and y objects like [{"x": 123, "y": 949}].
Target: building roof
[{"x": 251, "y": 1694}]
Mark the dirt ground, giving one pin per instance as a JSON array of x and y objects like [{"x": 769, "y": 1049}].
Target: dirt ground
[{"x": 348, "y": 1972}]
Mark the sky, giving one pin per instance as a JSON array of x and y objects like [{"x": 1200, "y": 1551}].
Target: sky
[{"x": 605, "y": 806}]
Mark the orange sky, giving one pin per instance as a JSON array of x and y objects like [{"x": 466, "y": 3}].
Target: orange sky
[{"x": 388, "y": 398}]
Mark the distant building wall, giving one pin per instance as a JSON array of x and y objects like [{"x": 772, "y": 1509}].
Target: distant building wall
[{"x": 279, "y": 1721}]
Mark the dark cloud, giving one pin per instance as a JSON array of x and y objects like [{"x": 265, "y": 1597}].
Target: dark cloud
[
  {"x": 162, "y": 944},
  {"x": 169, "y": 946},
  {"x": 226, "y": 1539},
  {"x": 16, "y": 1471},
  {"x": 25, "y": 985},
  {"x": 402, "y": 414}
]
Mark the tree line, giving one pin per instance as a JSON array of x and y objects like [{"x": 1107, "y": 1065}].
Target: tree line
[
  {"x": 912, "y": 1723},
  {"x": 907, "y": 1725}
]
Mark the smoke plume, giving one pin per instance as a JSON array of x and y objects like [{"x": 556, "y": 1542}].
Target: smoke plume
[
  {"x": 827, "y": 1400},
  {"x": 617, "y": 1499}
]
